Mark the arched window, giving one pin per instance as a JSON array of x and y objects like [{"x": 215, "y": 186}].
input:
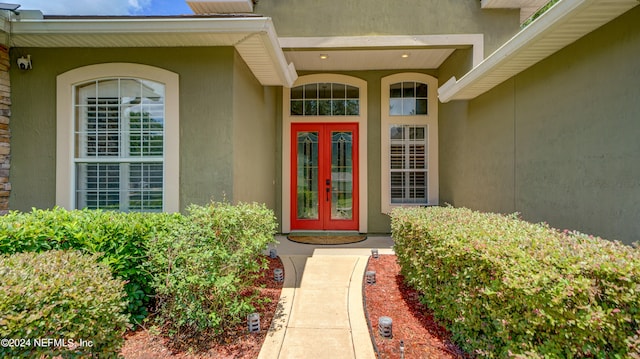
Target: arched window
[
  {"x": 119, "y": 142},
  {"x": 409, "y": 134},
  {"x": 325, "y": 99},
  {"x": 123, "y": 149}
]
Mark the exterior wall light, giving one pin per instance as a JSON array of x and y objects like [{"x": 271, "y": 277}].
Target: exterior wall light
[{"x": 24, "y": 62}]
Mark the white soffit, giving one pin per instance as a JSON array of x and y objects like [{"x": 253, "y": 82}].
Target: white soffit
[
  {"x": 204, "y": 7},
  {"x": 527, "y": 7},
  {"x": 353, "y": 53},
  {"x": 254, "y": 38},
  {"x": 354, "y": 60},
  {"x": 563, "y": 24}
]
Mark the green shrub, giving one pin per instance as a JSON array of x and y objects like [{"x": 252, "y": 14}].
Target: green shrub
[
  {"x": 120, "y": 238},
  {"x": 203, "y": 268},
  {"x": 59, "y": 295},
  {"x": 505, "y": 287}
]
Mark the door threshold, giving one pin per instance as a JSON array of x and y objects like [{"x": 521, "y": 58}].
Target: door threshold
[{"x": 323, "y": 233}]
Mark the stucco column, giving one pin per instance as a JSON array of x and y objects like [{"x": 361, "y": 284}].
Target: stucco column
[{"x": 5, "y": 133}]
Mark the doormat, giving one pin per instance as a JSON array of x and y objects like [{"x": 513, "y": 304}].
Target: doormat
[{"x": 327, "y": 240}]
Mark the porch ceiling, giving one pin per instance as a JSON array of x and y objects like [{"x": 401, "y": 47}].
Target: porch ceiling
[
  {"x": 353, "y": 53},
  {"x": 563, "y": 24},
  {"x": 367, "y": 59},
  {"x": 253, "y": 37}
]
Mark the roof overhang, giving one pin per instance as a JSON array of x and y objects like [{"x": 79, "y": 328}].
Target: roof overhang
[
  {"x": 563, "y": 24},
  {"x": 355, "y": 53},
  {"x": 254, "y": 37}
]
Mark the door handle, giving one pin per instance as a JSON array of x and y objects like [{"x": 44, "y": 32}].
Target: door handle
[{"x": 328, "y": 189}]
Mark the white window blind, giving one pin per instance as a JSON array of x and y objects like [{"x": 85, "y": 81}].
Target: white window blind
[
  {"x": 409, "y": 164},
  {"x": 119, "y": 145}
]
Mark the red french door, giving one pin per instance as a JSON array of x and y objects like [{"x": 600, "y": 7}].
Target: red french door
[{"x": 324, "y": 176}]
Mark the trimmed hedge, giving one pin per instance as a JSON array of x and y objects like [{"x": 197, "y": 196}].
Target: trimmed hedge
[
  {"x": 121, "y": 239},
  {"x": 505, "y": 287},
  {"x": 59, "y": 295},
  {"x": 205, "y": 266}
]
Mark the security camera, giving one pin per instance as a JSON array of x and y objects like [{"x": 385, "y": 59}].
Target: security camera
[{"x": 24, "y": 62}]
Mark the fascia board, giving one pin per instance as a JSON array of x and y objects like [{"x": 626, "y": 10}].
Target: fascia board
[
  {"x": 261, "y": 26},
  {"x": 483, "y": 74},
  {"x": 510, "y": 49},
  {"x": 138, "y": 26},
  {"x": 286, "y": 71}
]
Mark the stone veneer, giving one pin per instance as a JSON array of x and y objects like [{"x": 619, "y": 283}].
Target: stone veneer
[{"x": 5, "y": 133}]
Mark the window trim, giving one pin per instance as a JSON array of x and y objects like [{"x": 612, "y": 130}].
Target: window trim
[
  {"x": 430, "y": 120},
  {"x": 65, "y": 122},
  {"x": 288, "y": 119}
]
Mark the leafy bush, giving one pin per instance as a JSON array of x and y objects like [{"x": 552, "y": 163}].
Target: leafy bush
[
  {"x": 59, "y": 295},
  {"x": 505, "y": 287},
  {"x": 203, "y": 268},
  {"x": 120, "y": 238}
]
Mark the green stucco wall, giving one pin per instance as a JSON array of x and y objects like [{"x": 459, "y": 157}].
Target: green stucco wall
[
  {"x": 206, "y": 112},
  {"x": 385, "y": 17},
  {"x": 558, "y": 142},
  {"x": 254, "y": 138}
]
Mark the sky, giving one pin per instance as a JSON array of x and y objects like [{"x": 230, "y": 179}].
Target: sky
[{"x": 106, "y": 7}]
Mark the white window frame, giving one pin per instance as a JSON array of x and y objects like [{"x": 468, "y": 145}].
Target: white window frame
[
  {"x": 430, "y": 120},
  {"x": 288, "y": 119},
  {"x": 65, "y": 126}
]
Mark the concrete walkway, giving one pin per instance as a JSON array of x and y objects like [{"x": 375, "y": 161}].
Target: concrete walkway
[{"x": 320, "y": 312}]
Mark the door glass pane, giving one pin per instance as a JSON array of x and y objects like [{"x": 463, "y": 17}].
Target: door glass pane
[
  {"x": 307, "y": 191},
  {"x": 338, "y": 107},
  {"x": 324, "y": 91},
  {"x": 311, "y": 107},
  {"x": 339, "y": 91},
  {"x": 353, "y": 107},
  {"x": 296, "y": 93},
  {"x": 324, "y": 107},
  {"x": 341, "y": 175}
]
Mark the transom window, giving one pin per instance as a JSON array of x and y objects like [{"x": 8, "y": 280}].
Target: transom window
[
  {"x": 119, "y": 144},
  {"x": 325, "y": 99},
  {"x": 408, "y": 99},
  {"x": 408, "y": 172}
]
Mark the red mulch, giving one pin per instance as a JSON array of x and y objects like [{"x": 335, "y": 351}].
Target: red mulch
[
  {"x": 412, "y": 322},
  {"x": 238, "y": 344}
]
